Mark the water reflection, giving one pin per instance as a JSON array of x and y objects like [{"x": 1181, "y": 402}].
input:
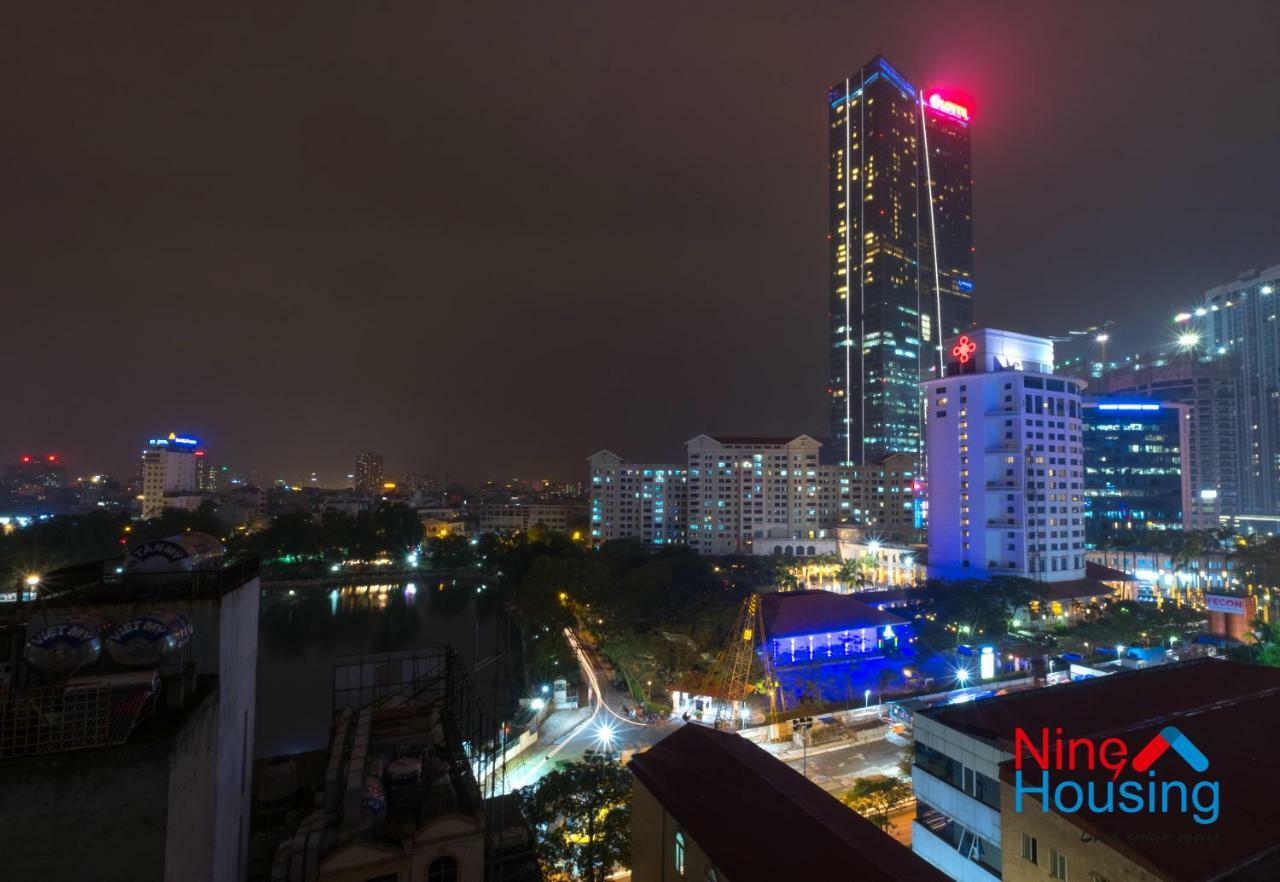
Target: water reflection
[{"x": 302, "y": 631}]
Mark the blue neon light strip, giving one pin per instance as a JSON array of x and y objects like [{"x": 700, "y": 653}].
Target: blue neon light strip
[
  {"x": 897, "y": 78},
  {"x": 907, "y": 89}
]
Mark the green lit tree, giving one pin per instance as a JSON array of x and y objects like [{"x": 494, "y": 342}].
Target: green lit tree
[
  {"x": 581, "y": 815},
  {"x": 875, "y": 798}
]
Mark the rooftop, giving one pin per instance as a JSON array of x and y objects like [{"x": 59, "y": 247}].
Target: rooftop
[
  {"x": 1237, "y": 735},
  {"x": 1106, "y": 704},
  {"x": 792, "y": 613},
  {"x": 1105, "y": 574},
  {"x": 727, "y": 793},
  {"x": 754, "y": 440},
  {"x": 1073, "y": 588}
]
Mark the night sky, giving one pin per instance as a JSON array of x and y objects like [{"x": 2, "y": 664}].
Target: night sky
[{"x": 489, "y": 239}]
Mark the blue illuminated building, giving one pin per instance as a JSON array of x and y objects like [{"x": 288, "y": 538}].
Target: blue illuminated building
[
  {"x": 818, "y": 626},
  {"x": 1135, "y": 475}
]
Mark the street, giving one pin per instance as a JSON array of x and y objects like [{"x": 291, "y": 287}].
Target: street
[
  {"x": 568, "y": 734},
  {"x": 835, "y": 767}
]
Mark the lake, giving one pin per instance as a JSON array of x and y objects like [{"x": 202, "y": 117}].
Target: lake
[{"x": 303, "y": 630}]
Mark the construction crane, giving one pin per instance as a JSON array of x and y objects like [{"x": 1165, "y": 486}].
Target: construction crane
[{"x": 731, "y": 673}]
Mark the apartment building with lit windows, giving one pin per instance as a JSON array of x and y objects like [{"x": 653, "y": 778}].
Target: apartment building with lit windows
[
  {"x": 880, "y": 496},
  {"x": 644, "y": 501},
  {"x": 744, "y": 487},
  {"x": 1238, "y": 321},
  {"x": 900, "y": 253},
  {"x": 731, "y": 491},
  {"x": 1005, "y": 487}
]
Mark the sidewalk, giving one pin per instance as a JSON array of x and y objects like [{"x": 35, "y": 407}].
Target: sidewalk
[
  {"x": 555, "y": 728},
  {"x": 559, "y": 723}
]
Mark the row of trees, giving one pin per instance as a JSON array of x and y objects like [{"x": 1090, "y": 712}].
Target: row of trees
[{"x": 392, "y": 528}]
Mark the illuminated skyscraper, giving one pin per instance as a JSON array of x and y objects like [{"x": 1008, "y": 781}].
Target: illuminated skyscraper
[
  {"x": 899, "y": 180},
  {"x": 368, "y": 472},
  {"x": 1238, "y": 320}
]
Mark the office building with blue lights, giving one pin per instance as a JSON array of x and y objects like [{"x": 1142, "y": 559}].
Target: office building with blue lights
[
  {"x": 1135, "y": 469},
  {"x": 901, "y": 254},
  {"x": 1210, "y": 389}
]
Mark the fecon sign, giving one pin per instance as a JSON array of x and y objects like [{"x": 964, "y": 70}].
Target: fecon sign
[{"x": 1223, "y": 604}]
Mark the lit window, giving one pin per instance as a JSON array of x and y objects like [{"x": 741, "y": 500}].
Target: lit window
[{"x": 679, "y": 852}]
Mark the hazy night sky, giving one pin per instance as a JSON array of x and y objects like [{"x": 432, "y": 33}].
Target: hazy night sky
[{"x": 490, "y": 239}]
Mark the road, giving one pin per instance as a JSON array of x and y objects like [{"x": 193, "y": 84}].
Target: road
[
  {"x": 603, "y": 725},
  {"x": 834, "y": 768}
]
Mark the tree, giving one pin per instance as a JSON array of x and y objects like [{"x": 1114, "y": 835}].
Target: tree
[
  {"x": 399, "y": 527},
  {"x": 582, "y": 815},
  {"x": 874, "y": 798}
]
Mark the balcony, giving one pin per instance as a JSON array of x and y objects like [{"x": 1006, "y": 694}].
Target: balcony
[
  {"x": 1006, "y": 523},
  {"x": 1004, "y": 485}
]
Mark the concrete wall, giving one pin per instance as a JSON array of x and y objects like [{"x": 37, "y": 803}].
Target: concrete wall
[
  {"x": 237, "y": 694},
  {"x": 1052, "y": 831},
  {"x": 192, "y": 797},
  {"x": 96, "y": 815},
  {"x": 653, "y": 844}
]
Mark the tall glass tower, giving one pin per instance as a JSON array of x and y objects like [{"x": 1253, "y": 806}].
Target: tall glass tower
[{"x": 901, "y": 252}]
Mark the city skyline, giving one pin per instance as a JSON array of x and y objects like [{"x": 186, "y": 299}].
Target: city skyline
[{"x": 275, "y": 191}]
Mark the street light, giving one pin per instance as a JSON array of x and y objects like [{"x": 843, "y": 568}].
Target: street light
[
  {"x": 962, "y": 675},
  {"x": 32, "y": 580},
  {"x": 866, "y": 699},
  {"x": 604, "y": 734}
]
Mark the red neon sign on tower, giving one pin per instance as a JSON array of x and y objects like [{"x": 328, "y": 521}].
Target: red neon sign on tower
[
  {"x": 950, "y": 108},
  {"x": 964, "y": 349}
]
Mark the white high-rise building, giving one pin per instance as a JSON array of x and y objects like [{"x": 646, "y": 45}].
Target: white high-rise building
[
  {"x": 744, "y": 487},
  {"x": 1005, "y": 462},
  {"x": 644, "y": 501},
  {"x": 731, "y": 492},
  {"x": 168, "y": 473}
]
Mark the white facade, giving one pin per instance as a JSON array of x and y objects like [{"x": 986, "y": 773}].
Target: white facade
[
  {"x": 967, "y": 843},
  {"x": 644, "y": 501},
  {"x": 168, "y": 473},
  {"x": 1005, "y": 462},
  {"x": 731, "y": 491},
  {"x": 743, "y": 487}
]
